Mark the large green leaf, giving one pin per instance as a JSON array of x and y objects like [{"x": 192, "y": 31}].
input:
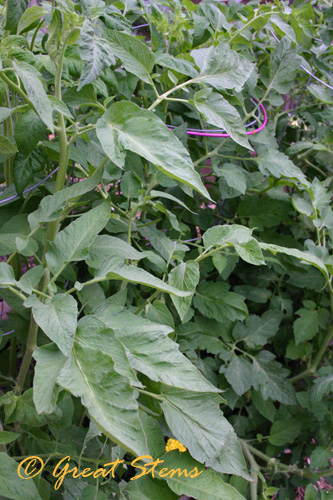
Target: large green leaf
[
  {"x": 108, "y": 246},
  {"x": 35, "y": 91},
  {"x": 221, "y": 67},
  {"x": 205, "y": 486},
  {"x": 197, "y": 421},
  {"x": 151, "y": 351},
  {"x": 12, "y": 485},
  {"x": 177, "y": 64},
  {"x": 228, "y": 234},
  {"x": 7, "y": 277},
  {"x": 57, "y": 317},
  {"x": 306, "y": 326},
  {"x": 14, "y": 11},
  {"x": 134, "y": 55},
  {"x": 72, "y": 242},
  {"x": 323, "y": 384},
  {"x": 214, "y": 301},
  {"x": 95, "y": 51},
  {"x": 185, "y": 277},
  {"x": 269, "y": 378},
  {"x": 29, "y": 17},
  {"x": 125, "y": 126},
  {"x": 90, "y": 375},
  {"x": 114, "y": 268},
  {"x": 51, "y": 207},
  {"x": 49, "y": 363},
  {"x": 220, "y": 113},
  {"x": 32, "y": 122},
  {"x": 294, "y": 252},
  {"x": 284, "y": 66}
]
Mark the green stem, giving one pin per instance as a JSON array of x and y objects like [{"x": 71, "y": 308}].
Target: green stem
[
  {"x": 238, "y": 32},
  {"x": 151, "y": 394},
  {"x": 253, "y": 471},
  {"x": 2, "y": 446},
  {"x": 31, "y": 346},
  {"x": 155, "y": 294},
  {"x": 18, "y": 90},
  {"x": 8, "y": 129},
  {"x": 204, "y": 255}
]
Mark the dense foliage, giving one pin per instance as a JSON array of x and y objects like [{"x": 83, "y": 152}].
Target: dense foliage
[{"x": 159, "y": 284}]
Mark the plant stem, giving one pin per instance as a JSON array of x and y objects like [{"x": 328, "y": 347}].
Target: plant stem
[
  {"x": 152, "y": 297},
  {"x": 18, "y": 90},
  {"x": 254, "y": 469},
  {"x": 31, "y": 346}
]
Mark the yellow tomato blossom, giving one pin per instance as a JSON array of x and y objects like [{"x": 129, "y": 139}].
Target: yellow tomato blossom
[{"x": 173, "y": 444}]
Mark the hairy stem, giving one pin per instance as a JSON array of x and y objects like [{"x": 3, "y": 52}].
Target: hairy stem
[{"x": 254, "y": 469}]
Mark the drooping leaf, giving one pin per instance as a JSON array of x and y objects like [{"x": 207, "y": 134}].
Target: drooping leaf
[
  {"x": 151, "y": 351},
  {"x": 127, "y": 127},
  {"x": 57, "y": 317},
  {"x": 11, "y": 484},
  {"x": 95, "y": 51},
  {"x": 220, "y": 113},
  {"x": 51, "y": 207},
  {"x": 50, "y": 361},
  {"x": 185, "y": 277},
  {"x": 206, "y": 433},
  {"x": 72, "y": 243},
  {"x": 35, "y": 91},
  {"x": 278, "y": 164},
  {"x": 108, "y": 246},
  {"x": 32, "y": 122},
  {"x": 29, "y": 17},
  {"x": 205, "y": 486},
  {"x": 134, "y": 55},
  {"x": 107, "y": 395},
  {"x": 14, "y": 11},
  {"x": 306, "y": 326}
]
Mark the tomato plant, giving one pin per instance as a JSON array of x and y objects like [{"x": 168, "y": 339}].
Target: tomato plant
[{"x": 166, "y": 240}]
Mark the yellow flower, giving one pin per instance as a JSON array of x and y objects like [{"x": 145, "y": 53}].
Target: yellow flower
[
  {"x": 295, "y": 123},
  {"x": 173, "y": 444}
]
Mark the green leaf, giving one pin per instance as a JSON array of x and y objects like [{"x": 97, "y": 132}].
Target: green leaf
[
  {"x": 151, "y": 351},
  {"x": 234, "y": 177},
  {"x": 52, "y": 206},
  {"x": 278, "y": 164},
  {"x": 294, "y": 252},
  {"x": 257, "y": 330},
  {"x": 284, "y": 431},
  {"x": 284, "y": 66},
  {"x": 29, "y": 17},
  {"x": 306, "y": 326},
  {"x": 134, "y": 55},
  {"x": 206, "y": 433},
  {"x": 310, "y": 492},
  {"x": 14, "y": 11},
  {"x": 214, "y": 301},
  {"x": 284, "y": 27},
  {"x": 125, "y": 126},
  {"x": 323, "y": 384},
  {"x": 96, "y": 52},
  {"x": 220, "y": 113},
  {"x": 239, "y": 374},
  {"x": 29, "y": 121},
  {"x": 250, "y": 252},
  {"x": 90, "y": 375},
  {"x": 269, "y": 378},
  {"x": 221, "y": 67},
  {"x": 321, "y": 93},
  {"x": 185, "y": 277},
  {"x": 31, "y": 278},
  {"x": 177, "y": 64},
  {"x": 26, "y": 168},
  {"x": 49, "y": 363},
  {"x": 72, "y": 243},
  {"x": 6, "y": 112},
  {"x": 320, "y": 457},
  {"x": 12, "y": 485},
  {"x": 35, "y": 91},
  {"x": 147, "y": 488},
  {"x": 57, "y": 317},
  {"x": 114, "y": 268},
  {"x": 8, "y": 437},
  {"x": 108, "y": 246},
  {"x": 7, "y": 277},
  {"x": 7, "y": 148},
  {"x": 265, "y": 408},
  {"x": 227, "y": 234},
  {"x": 206, "y": 486}
]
